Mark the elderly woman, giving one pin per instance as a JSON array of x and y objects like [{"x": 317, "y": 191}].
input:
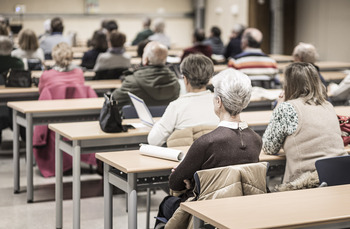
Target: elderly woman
[
  {"x": 29, "y": 47},
  {"x": 191, "y": 109},
  {"x": 231, "y": 143},
  {"x": 307, "y": 53},
  {"x": 63, "y": 71},
  {"x": 304, "y": 124}
]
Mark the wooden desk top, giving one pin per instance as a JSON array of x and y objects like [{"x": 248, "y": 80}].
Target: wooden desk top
[
  {"x": 276, "y": 210},
  {"x": 328, "y": 76},
  {"x": 92, "y": 130},
  {"x": 87, "y": 74},
  {"x": 52, "y": 62},
  {"x": 323, "y": 65},
  {"x": 94, "y": 84},
  {"x": 281, "y": 58},
  {"x": 56, "y": 105}
]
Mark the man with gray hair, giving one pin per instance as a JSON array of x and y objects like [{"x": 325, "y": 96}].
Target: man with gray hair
[
  {"x": 155, "y": 83},
  {"x": 159, "y": 35},
  {"x": 6, "y": 60},
  {"x": 252, "y": 61}
]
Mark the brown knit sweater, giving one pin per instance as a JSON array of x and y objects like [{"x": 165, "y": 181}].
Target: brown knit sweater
[{"x": 221, "y": 147}]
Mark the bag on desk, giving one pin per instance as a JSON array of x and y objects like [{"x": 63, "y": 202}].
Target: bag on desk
[
  {"x": 18, "y": 78},
  {"x": 344, "y": 122},
  {"x": 110, "y": 118}
]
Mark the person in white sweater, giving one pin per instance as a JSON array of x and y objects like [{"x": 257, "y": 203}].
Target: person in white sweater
[{"x": 191, "y": 109}]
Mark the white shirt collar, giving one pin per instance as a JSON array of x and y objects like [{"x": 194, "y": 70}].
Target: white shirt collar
[{"x": 234, "y": 125}]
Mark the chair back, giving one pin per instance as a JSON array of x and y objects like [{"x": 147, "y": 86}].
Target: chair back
[
  {"x": 334, "y": 170},
  {"x": 129, "y": 111},
  {"x": 109, "y": 73},
  {"x": 35, "y": 64}
]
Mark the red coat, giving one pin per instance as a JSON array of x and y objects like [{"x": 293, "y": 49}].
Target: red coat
[{"x": 44, "y": 139}]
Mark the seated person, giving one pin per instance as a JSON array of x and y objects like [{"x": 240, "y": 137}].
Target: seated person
[
  {"x": 340, "y": 91},
  {"x": 214, "y": 41},
  {"x": 145, "y": 33},
  {"x": 199, "y": 46},
  {"x": 234, "y": 46},
  {"x": 7, "y": 62},
  {"x": 155, "y": 83},
  {"x": 307, "y": 53},
  {"x": 304, "y": 123},
  {"x": 191, "y": 109},
  {"x": 29, "y": 47},
  {"x": 99, "y": 45},
  {"x": 63, "y": 72},
  {"x": 48, "y": 42},
  {"x": 252, "y": 61},
  {"x": 159, "y": 35},
  {"x": 231, "y": 143},
  {"x": 115, "y": 57}
]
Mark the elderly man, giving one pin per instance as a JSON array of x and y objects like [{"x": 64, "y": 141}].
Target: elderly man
[
  {"x": 155, "y": 83},
  {"x": 48, "y": 42},
  {"x": 252, "y": 61}
]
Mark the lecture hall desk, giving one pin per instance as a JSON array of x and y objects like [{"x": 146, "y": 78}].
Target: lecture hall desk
[
  {"x": 87, "y": 138},
  {"x": 326, "y": 207},
  {"x": 323, "y": 65},
  {"x": 8, "y": 94},
  {"x": 134, "y": 166}
]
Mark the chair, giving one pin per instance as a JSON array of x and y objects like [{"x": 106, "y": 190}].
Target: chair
[
  {"x": 334, "y": 170},
  {"x": 114, "y": 73},
  {"x": 35, "y": 64},
  {"x": 130, "y": 112},
  {"x": 263, "y": 81},
  {"x": 223, "y": 182}
]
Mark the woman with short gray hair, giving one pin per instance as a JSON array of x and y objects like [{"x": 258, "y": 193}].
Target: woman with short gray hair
[{"x": 231, "y": 143}]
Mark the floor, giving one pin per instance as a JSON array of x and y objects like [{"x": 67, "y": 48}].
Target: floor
[{"x": 16, "y": 213}]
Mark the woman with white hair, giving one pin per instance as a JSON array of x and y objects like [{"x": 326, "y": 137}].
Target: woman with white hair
[
  {"x": 307, "y": 53},
  {"x": 231, "y": 143}
]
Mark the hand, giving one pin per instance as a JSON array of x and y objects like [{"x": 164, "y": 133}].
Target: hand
[
  {"x": 280, "y": 98},
  {"x": 188, "y": 183},
  {"x": 173, "y": 169}
]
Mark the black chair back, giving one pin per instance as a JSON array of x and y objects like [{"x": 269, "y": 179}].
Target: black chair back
[{"x": 334, "y": 170}]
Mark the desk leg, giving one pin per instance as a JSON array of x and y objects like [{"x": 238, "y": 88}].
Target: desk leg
[
  {"x": 29, "y": 154},
  {"x": 59, "y": 181},
  {"x": 15, "y": 128},
  {"x": 76, "y": 184},
  {"x": 132, "y": 193},
  {"x": 108, "y": 198}
]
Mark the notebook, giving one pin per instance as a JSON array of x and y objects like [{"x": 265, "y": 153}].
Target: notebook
[{"x": 142, "y": 110}]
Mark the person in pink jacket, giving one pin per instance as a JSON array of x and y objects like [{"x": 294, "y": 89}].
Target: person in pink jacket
[{"x": 63, "y": 72}]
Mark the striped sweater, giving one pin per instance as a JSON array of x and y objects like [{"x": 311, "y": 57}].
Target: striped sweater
[{"x": 254, "y": 62}]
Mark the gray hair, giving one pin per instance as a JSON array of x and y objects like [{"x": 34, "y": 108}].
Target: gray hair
[
  {"x": 305, "y": 52},
  {"x": 159, "y": 25},
  {"x": 198, "y": 69},
  {"x": 155, "y": 53},
  {"x": 234, "y": 88},
  {"x": 6, "y": 45}
]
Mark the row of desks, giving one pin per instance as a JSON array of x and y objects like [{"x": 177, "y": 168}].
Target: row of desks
[{"x": 85, "y": 138}]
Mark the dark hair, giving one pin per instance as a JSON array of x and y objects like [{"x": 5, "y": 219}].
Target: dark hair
[
  {"x": 3, "y": 30},
  {"x": 111, "y": 25},
  {"x": 216, "y": 31},
  {"x": 302, "y": 81},
  {"x": 117, "y": 39},
  {"x": 251, "y": 41},
  {"x": 99, "y": 41},
  {"x": 199, "y": 35},
  {"x": 141, "y": 46},
  {"x": 198, "y": 69},
  {"x": 57, "y": 25}
]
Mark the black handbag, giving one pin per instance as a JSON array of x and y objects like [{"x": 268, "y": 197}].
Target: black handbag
[
  {"x": 18, "y": 78},
  {"x": 110, "y": 118}
]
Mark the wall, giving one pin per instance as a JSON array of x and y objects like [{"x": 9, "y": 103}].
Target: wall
[
  {"x": 325, "y": 24},
  {"x": 219, "y": 13},
  {"x": 129, "y": 14}
]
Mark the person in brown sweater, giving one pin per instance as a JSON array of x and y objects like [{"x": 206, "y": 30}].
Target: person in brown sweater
[{"x": 231, "y": 143}]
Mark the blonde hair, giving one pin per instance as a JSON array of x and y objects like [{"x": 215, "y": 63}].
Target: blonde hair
[
  {"x": 302, "y": 81},
  {"x": 305, "y": 53},
  {"x": 62, "y": 54},
  {"x": 28, "y": 40}
]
